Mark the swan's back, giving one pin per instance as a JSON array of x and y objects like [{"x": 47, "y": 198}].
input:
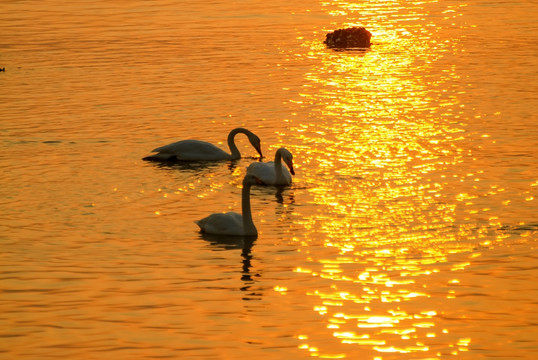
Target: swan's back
[
  {"x": 266, "y": 172},
  {"x": 230, "y": 223},
  {"x": 192, "y": 150}
]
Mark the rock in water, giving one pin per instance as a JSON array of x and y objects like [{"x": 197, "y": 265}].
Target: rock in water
[{"x": 349, "y": 38}]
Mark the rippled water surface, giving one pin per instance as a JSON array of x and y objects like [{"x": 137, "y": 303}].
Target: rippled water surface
[{"x": 409, "y": 232}]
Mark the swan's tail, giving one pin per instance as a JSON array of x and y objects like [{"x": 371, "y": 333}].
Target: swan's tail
[
  {"x": 200, "y": 224},
  {"x": 160, "y": 157}
]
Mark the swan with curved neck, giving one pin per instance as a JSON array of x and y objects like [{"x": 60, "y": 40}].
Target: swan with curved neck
[
  {"x": 232, "y": 223},
  {"x": 196, "y": 150},
  {"x": 273, "y": 173}
]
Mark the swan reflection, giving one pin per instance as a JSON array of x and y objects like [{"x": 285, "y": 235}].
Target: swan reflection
[
  {"x": 195, "y": 166},
  {"x": 245, "y": 244},
  {"x": 226, "y": 242}
]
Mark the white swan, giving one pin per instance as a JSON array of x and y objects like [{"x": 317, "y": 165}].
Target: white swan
[
  {"x": 196, "y": 150},
  {"x": 232, "y": 223},
  {"x": 272, "y": 173}
]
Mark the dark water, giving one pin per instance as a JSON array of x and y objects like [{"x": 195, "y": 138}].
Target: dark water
[{"x": 410, "y": 229}]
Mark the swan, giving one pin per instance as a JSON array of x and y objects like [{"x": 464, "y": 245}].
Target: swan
[
  {"x": 232, "y": 223},
  {"x": 196, "y": 150},
  {"x": 272, "y": 173}
]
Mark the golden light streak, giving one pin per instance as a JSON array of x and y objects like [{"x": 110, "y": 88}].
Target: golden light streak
[{"x": 382, "y": 175}]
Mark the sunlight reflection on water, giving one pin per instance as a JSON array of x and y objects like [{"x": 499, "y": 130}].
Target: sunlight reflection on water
[{"x": 385, "y": 135}]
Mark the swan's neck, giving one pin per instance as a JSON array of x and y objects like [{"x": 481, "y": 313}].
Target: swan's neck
[
  {"x": 279, "y": 173},
  {"x": 235, "y": 154},
  {"x": 248, "y": 224}
]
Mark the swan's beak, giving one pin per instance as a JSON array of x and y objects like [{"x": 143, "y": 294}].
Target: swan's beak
[
  {"x": 290, "y": 166},
  {"x": 259, "y": 150},
  {"x": 258, "y": 181}
]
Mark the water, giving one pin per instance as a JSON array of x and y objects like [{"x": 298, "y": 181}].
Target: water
[{"x": 410, "y": 229}]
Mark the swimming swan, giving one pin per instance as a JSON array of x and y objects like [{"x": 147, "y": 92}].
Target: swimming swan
[
  {"x": 196, "y": 150},
  {"x": 272, "y": 173},
  {"x": 232, "y": 223}
]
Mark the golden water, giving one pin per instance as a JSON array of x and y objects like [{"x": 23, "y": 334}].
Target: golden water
[{"x": 410, "y": 229}]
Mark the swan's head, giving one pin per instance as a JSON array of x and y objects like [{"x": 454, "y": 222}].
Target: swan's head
[
  {"x": 287, "y": 157},
  {"x": 256, "y": 143},
  {"x": 251, "y": 179}
]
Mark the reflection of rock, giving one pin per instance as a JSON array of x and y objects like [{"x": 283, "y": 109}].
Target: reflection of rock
[{"x": 349, "y": 38}]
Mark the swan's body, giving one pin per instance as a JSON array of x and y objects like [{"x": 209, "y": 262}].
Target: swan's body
[
  {"x": 273, "y": 173},
  {"x": 232, "y": 223},
  {"x": 196, "y": 150}
]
